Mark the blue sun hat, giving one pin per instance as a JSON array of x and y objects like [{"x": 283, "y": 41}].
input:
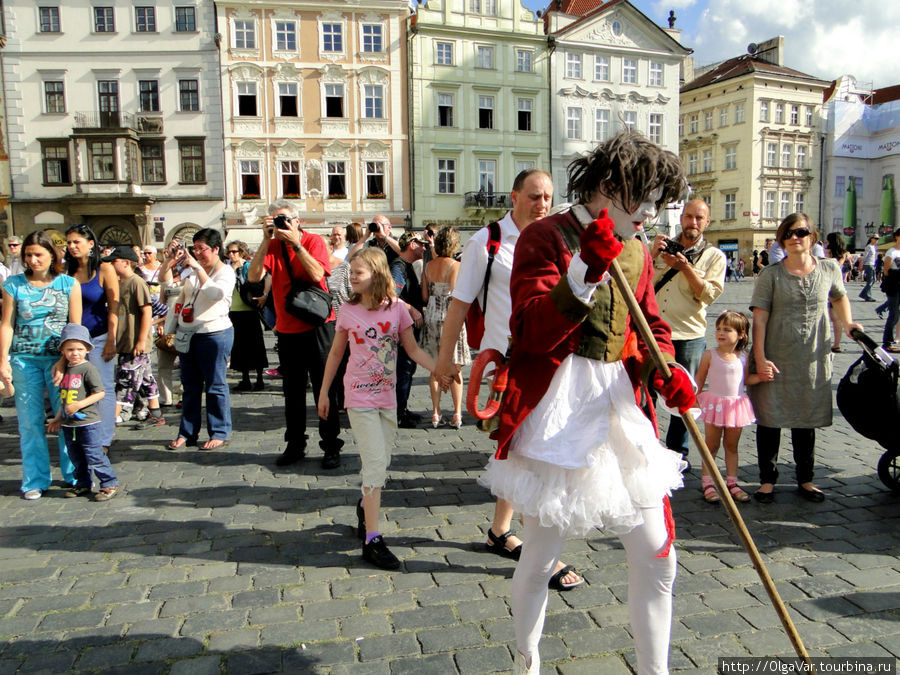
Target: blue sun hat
[{"x": 74, "y": 331}]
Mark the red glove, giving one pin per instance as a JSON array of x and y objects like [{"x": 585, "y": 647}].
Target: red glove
[
  {"x": 678, "y": 392},
  {"x": 599, "y": 247}
]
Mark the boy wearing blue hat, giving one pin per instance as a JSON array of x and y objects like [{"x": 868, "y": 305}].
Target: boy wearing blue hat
[{"x": 79, "y": 416}]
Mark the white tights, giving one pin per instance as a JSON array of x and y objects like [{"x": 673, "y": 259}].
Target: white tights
[{"x": 650, "y": 581}]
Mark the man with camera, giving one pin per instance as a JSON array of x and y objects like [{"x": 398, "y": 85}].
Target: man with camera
[
  {"x": 689, "y": 274},
  {"x": 380, "y": 233},
  {"x": 302, "y": 348}
]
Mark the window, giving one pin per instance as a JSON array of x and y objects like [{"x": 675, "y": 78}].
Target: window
[
  {"x": 55, "y": 156},
  {"x": 654, "y": 130},
  {"x": 787, "y": 151},
  {"x": 692, "y": 163},
  {"x": 290, "y": 178},
  {"x": 244, "y": 34},
  {"x": 801, "y": 156},
  {"x": 707, "y": 161},
  {"x": 656, "y": 74},
  {"x": 731, "y": 158},
  {"x": 837, "y": 223},
  {"x": 153, "y": 168},
  {"x": 332, "y": 37},
  {"x": 108, "y": 99},
  {"x": 49, "y": 19},
  {"x": 485, "y": 112},
  {"x": 680, "y": 126},
  {"x": 779, "y": 113},
  {"x": 601, "y": 68},
  {"x": 795, "y": 114},
  {"x": 102, "y": 159},
  {"x": 523, "y": 60},
  {"x": 148, "y": 95},
  {"x": 769, "y": 211},
  {"x": 287, "y": 99},
  {"x": 573, "y": 123},
  {"x": 523, "y": 165},
  {"x": 486, "y": 7},
  {"x": 601, "y": 123},
  {"x": 799, "y": 200},
  {"x": 336, "y": 173},
  {"x": 247, "y": 99},
  {"x": 525, "y": 107},
  {"x": 629, "y": 71},
  {"x": 446, "y": 176},
  {"x": 248, "y": 170},
  {"x": 285, "y": 36},
  {"x": 809, "y": 116},
  {"x": 189, "y": 95},
  {"x": 373, "y": 101},
  {"x": 839, "y": 186},
  {"x": 738, "y": 113},
  {"x": 763, "y": 111},
  {"x": 444, "y": 52},
  {"x": 858, "y": 182},
  {"x": 771, "y": 154},
  {"x": 375, "y": 180},
  {"x": 484, "y": 57},
  {"x": 145, "y": 19},
  {"x": 185, "y": 20},
  {"x": 104, "y": 20},
  {"x": 693, "y": 122},
  {"x": 729, "y": 206},
  {"x": 708, "y": 120},
  {"x": 192, "y": 161},
  {"x": 573, "y": 66},
  {"x": 334, "y": 100},
  {"x": 54, "y": 97},
  {"x": 785, "y": 205},
  {"x": 445, "y": 110},
  {"x": 630, "y": 119},
  {"x": 372, "y": 38},
  {"x": 487, "y": 175}
]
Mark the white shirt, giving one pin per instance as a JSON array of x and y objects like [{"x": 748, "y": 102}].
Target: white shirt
[
  {"x": 471, "y": 277},
  {"x": 871, "y": 255},
  {"x": 16, "y": 266},
  {"x": 211, "y": 303},
  {"x": 776, "y": 253},
  {"x": 340, "y": 252}
]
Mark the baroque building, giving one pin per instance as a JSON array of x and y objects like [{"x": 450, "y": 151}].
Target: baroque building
[
  {"x": 113, "y": 117},
  {"x": 315, "y": 110}
]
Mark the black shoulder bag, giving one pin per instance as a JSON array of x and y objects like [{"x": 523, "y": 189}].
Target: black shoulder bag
[{"x": 305, "y": 301}]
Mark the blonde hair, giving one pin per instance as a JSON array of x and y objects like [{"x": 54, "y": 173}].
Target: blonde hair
[
  {"x": 382, "y": 283},
  {"x": 740, "y": 323}
]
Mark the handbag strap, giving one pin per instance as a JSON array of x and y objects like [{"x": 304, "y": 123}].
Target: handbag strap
[{"x": 493, "y": 245}]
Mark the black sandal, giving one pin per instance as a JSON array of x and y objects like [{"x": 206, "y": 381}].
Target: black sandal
[
  {"x": 498, "y": 545},
  {"x": 556, "y": 581}
]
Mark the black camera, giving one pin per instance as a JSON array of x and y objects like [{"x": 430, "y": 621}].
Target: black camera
[
  {"x": 281, "y": 222},
  {"x": 373, "y": 228},
  {"x": 673, "y": 247}
]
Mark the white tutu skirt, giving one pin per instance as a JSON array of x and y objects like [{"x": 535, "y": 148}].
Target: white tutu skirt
[
  {"x": 726, "y": 411},
  {"x": 586, "y": 457}
]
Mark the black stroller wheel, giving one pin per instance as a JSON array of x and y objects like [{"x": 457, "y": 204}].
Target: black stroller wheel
[{"x": 889, "y": 469}]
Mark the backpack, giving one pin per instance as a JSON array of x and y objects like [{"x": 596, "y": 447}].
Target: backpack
[{"x": 475, "y": 315}]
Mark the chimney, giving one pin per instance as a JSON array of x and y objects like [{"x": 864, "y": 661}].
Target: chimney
[{"x": 771, "y": 51}]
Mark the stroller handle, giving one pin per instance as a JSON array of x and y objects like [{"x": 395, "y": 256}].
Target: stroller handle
[{"x": 863, "y": 339}]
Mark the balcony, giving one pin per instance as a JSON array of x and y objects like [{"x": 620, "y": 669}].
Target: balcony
[
  {"x": 104, "y": 120},
  {"x": 486, "y": 201}
]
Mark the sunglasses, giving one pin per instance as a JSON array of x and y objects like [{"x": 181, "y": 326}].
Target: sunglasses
[
  {"x": 800, "y": 233},
  {"x": 233, "y": 251}
]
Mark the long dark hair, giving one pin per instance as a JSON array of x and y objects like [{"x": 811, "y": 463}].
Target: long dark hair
[
  {"x": 93, "y": 260},
  {"x": 41, "y": 238},
  {"x": 211, "y": 238}
]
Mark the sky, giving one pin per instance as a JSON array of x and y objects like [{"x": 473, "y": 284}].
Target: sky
[{"x": 824, "y": 38}]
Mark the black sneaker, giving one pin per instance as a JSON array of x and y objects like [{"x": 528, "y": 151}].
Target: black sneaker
[
  {"x": 77, "y": 491},
  {"x": 291, "y": 455},
  {"x": 331, "y": 460},
  {"x": 377, "y": 553},
  {"x": 407, "y": 421}
]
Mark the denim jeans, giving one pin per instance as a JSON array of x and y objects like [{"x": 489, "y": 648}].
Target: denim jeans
[
  {"x": 406, "y": 368},
  {"x": 86, "y": 452},
  {"x": 688, "y": 354},
  {"x": 32, "y": 375},
  {"x": 203, "y": 370},
  {"x": 107, "y": 404},
  {"x": 893, "y": 308},
  {"x": 869, "y": 276}
]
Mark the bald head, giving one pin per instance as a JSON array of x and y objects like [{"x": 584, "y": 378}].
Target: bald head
[{"x": 694, "y": 220}]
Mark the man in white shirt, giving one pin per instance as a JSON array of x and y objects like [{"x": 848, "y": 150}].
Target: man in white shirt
[
  {"x": 14, "y": 244},
  {"x": 892, "y": 290},
  {"x": 531, "y": 196},
  {"x": 776, "y": 253},
  {"x": 339, "y": 242},
  {"x": 870, "y": 257}
]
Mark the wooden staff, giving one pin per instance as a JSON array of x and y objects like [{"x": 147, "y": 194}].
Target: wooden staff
[{"x": 709, "y": 462}]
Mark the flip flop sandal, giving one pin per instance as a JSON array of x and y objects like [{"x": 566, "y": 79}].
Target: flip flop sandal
[
  {"x": 710, "y": 495},
  {"x": 206, "y": 446},
  {"x": 498, "y": 545},
  {"x": 175, "y": 445},
  {"x": 556, "y": 581}
]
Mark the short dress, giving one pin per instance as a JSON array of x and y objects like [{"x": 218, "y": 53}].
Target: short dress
[
  {"x": 725, "y": 404},
  {"x": 434, "y": 315},
  {"x": 586, "y": 457}
]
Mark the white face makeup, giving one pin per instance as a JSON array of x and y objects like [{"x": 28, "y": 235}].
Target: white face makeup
[{"x": 627, "y": 224}]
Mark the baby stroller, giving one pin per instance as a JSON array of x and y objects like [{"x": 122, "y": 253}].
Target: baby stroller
[{"x": 867, "y": 397}]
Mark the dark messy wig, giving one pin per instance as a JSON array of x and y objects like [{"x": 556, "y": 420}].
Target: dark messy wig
[{"x": 627, "y": 168}]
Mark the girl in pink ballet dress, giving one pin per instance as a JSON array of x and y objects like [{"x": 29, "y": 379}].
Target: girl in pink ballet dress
[{"x": 725, "y": 408}]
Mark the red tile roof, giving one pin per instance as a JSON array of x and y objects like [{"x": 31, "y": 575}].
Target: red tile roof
[
  {"x": 579, "y": 7},
  {"x": 741, "y": 65}
]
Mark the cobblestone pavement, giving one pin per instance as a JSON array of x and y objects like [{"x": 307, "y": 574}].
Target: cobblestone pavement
[{"x": 220, "y": 562}]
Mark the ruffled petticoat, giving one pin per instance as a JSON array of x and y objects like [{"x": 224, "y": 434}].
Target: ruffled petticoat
[
  {"x": 586, "y": 456},
  {"x": 726, "y": 411}
]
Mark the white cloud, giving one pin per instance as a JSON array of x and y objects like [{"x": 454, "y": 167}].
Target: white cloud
[{"x": 663, "y": 6}]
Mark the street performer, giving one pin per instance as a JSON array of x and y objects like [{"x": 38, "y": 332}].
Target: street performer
[{"x": 575, "y": 451}]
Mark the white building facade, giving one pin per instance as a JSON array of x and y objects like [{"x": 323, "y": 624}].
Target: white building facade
[{"x": 114, "y": 117}]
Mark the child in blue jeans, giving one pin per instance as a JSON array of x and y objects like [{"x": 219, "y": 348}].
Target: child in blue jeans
[{"x": 79, "y": 416}]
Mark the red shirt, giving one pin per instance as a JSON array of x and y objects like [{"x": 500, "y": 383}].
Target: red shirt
[{"x": 281, "y": 278}]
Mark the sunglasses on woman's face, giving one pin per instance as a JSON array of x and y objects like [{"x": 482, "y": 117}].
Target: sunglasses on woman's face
[{"x": 800, "y": 233}]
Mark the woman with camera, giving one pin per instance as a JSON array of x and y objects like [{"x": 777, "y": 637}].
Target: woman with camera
[{"x": 203, "y": 338}]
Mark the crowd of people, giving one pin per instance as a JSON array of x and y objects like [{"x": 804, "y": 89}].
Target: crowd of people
[{"x": 577, "y": 444}]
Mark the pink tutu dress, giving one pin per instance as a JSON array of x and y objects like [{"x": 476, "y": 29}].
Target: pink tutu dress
[{"x": 725, "y": 404}]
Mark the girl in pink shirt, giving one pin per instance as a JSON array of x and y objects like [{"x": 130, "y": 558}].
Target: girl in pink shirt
[{"x": 374, "y": 322}]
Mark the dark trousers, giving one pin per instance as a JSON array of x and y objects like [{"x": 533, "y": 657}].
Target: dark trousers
[
  {"x": 893, "y": 308},
  {"x": 768, "y": 440},
  {"x": 406, "y": 368},
  {"x": 303, "y": 357},
  {"x": 688, "y": 353}
]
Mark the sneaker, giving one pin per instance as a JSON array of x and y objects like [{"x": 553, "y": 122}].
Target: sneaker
[
  {"x": 119, "y": 420},
  {"x": 331, "y": 460},
  {"x": 142, "y": 415},
  {"x": 377, "y": 553},
  {"x": 77, "y": 491},
  {"x": 291, "y": 455},
  {"x": 407, "y": 421},
  {"x": 31, "y": 495},
  {"x": 152, "y": 421},
  {"x": 273, "y": 372},
  {"x": 105, "y": 494}
]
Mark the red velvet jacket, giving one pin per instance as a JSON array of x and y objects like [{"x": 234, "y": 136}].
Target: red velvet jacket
[{"x": 545, "y": 323}]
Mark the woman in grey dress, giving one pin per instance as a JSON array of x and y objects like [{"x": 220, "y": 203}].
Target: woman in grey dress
[{"x": 792, "y": 353}]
